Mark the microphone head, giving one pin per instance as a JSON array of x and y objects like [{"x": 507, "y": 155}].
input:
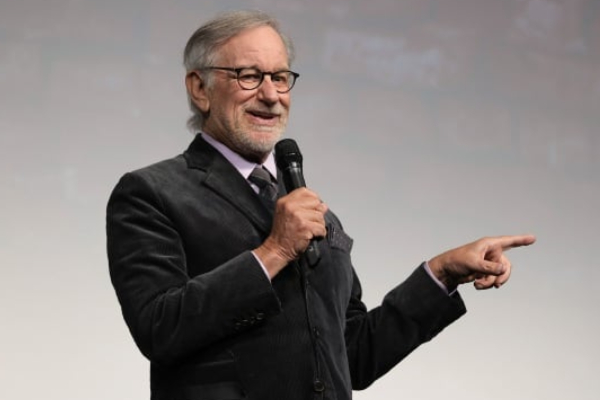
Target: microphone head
[{"x": 287, "y": 153}]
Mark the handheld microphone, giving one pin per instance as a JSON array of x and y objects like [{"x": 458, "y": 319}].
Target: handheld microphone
[{"x": 289, "y": 161}]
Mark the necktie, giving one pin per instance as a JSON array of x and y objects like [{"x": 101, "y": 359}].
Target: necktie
[{"x": 267, "y": 187}]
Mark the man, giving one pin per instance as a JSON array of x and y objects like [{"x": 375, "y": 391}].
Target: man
[{"x": 211, "y": 278}]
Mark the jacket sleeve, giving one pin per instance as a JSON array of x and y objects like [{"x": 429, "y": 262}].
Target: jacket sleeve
[
  {"x": 170, "y": 314},
  {"x": 411, "y": 314}
]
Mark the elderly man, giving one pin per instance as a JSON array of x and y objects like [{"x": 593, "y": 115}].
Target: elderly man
[{"x": 210, "y": 274}]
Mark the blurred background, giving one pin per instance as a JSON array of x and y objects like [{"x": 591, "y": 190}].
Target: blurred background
[{"x": 424, "y": 124}]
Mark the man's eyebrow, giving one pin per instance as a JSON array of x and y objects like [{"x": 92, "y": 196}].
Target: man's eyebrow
[{"x": 254, "y": 66}]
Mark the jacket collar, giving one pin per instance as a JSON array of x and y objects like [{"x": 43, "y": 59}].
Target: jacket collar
[{"x": 222, "y": 178}]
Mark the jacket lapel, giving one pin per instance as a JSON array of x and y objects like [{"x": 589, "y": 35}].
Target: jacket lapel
[{"x": 222, "y": 178}]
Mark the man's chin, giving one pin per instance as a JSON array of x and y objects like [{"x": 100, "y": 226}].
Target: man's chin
[
  {"x": 265, "y": 138},
  {"x": 257, "y": 145}
]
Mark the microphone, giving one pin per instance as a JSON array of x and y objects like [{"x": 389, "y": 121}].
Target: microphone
[{"x": 289, "y": 162}]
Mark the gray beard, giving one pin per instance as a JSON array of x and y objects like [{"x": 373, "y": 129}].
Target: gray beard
[{"x": 252, "y": 150}]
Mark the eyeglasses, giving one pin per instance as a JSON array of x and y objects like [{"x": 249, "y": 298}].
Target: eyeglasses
[{"x": 251, "y": 78}]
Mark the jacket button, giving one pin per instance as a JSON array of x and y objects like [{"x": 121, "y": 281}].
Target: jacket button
[
  {"x": 318, "y": 386},
  {"x": 260, "y": 316}
]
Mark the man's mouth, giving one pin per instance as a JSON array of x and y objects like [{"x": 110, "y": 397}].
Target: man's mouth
[
  {"x": 263, "y": 115},
  {"x": 264, "y": 118}
]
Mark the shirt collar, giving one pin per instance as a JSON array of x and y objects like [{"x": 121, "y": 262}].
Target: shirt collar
[{"x": 243, "y": 166}]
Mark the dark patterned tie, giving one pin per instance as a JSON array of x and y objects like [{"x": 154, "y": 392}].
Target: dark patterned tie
[{"x": 267, "y": 187}]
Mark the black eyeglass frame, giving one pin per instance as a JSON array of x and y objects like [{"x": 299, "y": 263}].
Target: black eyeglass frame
[{"x": 237, "y": 72}]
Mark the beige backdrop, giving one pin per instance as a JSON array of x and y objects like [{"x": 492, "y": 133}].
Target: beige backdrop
[{"x": 424, "y": 124}]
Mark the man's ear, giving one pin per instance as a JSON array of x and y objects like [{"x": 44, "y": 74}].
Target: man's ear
[{"x": 196, "y": 88}]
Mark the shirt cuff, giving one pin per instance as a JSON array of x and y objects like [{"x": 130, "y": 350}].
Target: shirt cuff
[
  {"x": 262, "y": 266},
  {"x": 436, "y": 280}
]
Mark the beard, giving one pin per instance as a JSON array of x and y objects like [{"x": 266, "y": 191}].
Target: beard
[
  {"x": 251, "y": 130},
  {"x": 256, "y": 141}
]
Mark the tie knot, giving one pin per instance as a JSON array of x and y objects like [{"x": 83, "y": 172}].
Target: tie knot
[
  {"x": 266, "y": 185},
  {"x": 260, "y": 177}
]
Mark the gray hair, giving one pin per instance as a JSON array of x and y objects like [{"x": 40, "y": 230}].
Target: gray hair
[{"x": 202, "y": 47}]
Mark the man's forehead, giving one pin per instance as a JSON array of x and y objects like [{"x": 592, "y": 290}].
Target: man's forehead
[{"x": 255, "y": 44}]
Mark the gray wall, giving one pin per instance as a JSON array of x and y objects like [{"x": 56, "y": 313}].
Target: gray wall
[{"x": 424, "y": 124}]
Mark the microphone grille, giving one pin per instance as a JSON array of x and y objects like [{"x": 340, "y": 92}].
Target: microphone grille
[{"x": 286, "y": 153}]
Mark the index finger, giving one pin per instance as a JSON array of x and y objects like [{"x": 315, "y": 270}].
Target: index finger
[{"x": 509, "y": 242}]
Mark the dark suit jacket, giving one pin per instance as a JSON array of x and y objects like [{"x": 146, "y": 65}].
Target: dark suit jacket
[{"x": 201, "y": 309}]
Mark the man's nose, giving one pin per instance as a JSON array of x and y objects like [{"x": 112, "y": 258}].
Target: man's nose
[{"x": 267, "y": 91}]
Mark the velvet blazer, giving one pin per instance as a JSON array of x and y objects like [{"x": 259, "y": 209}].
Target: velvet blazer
[{"x": 201, "y": 309}]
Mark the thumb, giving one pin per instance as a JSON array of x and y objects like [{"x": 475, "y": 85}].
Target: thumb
[{"x": 492, "y": 268}]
